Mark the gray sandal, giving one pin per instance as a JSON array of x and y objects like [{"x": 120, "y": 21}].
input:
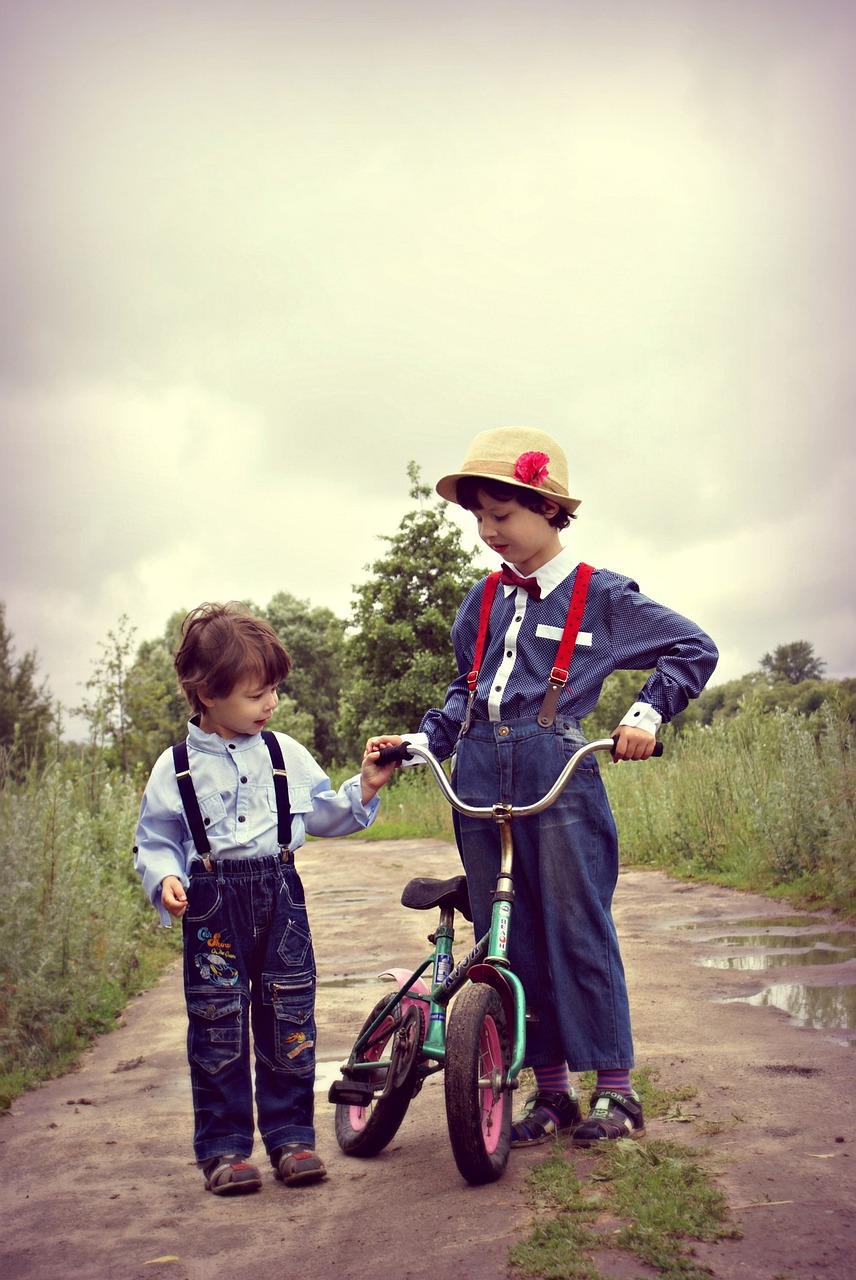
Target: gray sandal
[
  {"x": 230, "y": 1175},
  {"x": 297, "y": 1163},
  {"x": 612, "y": 1116}
]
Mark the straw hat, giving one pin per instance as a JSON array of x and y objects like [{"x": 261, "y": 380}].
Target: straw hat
[{"x": 519, "y": 456}]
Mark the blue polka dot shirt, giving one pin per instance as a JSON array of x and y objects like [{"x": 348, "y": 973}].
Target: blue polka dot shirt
[{"x": 622, "y": 629}]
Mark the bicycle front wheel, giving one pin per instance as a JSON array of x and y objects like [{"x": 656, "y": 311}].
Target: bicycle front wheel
[
  {"x": 364, "y": 1130},
  {"x": 478, "y": 1099}
]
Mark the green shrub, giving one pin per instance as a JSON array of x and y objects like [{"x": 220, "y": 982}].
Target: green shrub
[{"x": 75, "y": 929}]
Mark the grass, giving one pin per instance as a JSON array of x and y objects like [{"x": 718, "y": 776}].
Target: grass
[
  {"x": 77, "y": 937},
  {"x": 653, "y": 1200},
  {"x": 763, "y": 802}
]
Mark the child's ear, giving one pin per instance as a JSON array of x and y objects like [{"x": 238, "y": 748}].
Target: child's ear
[
  {"x": 549, "y": 508},
  {"x": 204, "y": 698}
]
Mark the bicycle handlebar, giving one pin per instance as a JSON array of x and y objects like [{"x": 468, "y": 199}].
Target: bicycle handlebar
[{"x": 408, "y": 750}]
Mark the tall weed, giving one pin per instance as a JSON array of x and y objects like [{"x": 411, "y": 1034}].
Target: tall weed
[
  {"x": 73, "y": 921},
  {"x": 760, "y": 800}
]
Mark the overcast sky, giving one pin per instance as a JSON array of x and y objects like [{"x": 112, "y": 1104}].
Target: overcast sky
[{"x": 259, "y": 254}]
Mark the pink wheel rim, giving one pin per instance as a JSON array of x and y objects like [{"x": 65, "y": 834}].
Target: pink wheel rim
[{"x": 490, "y": 1061}]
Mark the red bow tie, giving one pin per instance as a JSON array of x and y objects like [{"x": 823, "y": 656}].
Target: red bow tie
[{"x": 511, "y": 579}]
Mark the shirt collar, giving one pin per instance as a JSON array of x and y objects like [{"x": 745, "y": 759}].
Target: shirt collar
[
  {"x": 214, "y": 744},
  {"x": 550, "y": 574}
]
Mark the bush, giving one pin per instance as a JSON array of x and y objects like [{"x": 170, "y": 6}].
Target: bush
[
  {"x": 759, "y": 800},
  {"x": 75, "y": 928}
]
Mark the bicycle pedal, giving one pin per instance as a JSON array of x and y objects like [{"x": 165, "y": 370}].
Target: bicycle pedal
[{"x": 351, "y": 1093}]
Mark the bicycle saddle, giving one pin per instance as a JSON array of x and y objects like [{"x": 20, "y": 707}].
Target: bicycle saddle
[{"x": 422, "y": 893}]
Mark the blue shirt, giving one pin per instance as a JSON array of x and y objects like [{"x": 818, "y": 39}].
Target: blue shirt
[
  {"x": 233, "y": 780},
  {"x": 621, "y": 630}
]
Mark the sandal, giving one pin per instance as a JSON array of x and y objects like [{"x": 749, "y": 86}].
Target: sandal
[
  {"x": 536, "y": 1124},
  {"x": 612, "y": 1116},
  {"x": 230, "y": 1175},
  {"x": 297, "y": 1163}
]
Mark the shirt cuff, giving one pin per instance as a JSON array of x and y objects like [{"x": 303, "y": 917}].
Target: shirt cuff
[
  {"x": 418, "y": 740},
  {"x": 643, "y": 716}
]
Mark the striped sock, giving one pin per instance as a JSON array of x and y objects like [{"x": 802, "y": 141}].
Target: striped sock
[
  {"x": 553, "y": 1079},
  {"x": 616, "y": 1081}
]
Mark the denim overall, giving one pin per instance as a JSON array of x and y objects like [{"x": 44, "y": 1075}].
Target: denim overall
[
  {"x": 248, "y": 965},
  {"x": 563, "y": 944}
]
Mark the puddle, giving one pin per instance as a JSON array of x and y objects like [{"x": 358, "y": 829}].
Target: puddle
[
  {"x": 349, "y": 980},
  {"x": 825, "y": 1008},
  {"x": 759, "y": 945},
  {"x": 327, "y": 1072},
  {"x": 777, "y": 950}
]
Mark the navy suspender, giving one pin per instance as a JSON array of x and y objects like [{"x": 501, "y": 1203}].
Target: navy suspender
[
  {"x": 280, "y": 786},
  {"x": 191, "y": 804}
]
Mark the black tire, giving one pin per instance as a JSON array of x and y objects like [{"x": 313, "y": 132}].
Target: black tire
[
  {"x": 478, "y": 1049},
  {"x": 365, "y": 1131}
]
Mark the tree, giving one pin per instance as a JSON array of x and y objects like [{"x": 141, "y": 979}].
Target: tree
[
  {"x": 793, "y": 663},
  {"x": 107, "y": 710},
  {"x": 315, "y": 639},
  {"x": 26, "y": 709},
  {"x": 399, "y": 655},
  {"x": 157, "y": 710}
]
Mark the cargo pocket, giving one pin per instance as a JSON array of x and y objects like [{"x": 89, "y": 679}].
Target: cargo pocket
[
  {"x": 295, "y": 947},
  {"x": 292, "y": 999},
  {"x": 215, "y": 1030}
]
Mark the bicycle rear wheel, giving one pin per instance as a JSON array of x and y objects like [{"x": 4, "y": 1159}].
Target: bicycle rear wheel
[
  {"x": 478, "y": 1100},
  {"x": 365, "y": 1129}
]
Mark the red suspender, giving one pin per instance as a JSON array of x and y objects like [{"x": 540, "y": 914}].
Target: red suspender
[
  {"x": 488, "y": 596},
  {"x": 561, "y": 666}
]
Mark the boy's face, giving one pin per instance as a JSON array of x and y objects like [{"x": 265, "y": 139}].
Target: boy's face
[
  {"x": 247, "y": 709},
  {"x": 518, "y": 535}
]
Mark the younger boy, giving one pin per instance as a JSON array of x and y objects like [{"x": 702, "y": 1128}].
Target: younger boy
[
  {"x": 220, "y": 820},
  {"x": 510, "y": 740}
]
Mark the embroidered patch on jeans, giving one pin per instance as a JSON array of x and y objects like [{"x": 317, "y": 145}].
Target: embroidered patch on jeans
[{"x": 301, "y": 1044}]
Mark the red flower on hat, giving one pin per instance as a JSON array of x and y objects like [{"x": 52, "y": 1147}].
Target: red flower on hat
[{"x": 531, "y": 468}]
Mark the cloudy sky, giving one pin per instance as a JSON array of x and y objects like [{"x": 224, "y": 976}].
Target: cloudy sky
[{"x": 257, "y": 255}]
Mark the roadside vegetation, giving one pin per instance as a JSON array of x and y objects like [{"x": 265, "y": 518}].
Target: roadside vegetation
[{"x": 652, "y": 1200}]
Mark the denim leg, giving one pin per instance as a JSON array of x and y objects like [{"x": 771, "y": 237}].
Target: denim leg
[
  {"x": 216, "y": 988},
  {"x": 563, "y": 941},
  {"x": 283, "y": 1012}
]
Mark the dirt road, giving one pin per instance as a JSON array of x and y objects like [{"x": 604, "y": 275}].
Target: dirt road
[{"x": 98, "y": 1181}]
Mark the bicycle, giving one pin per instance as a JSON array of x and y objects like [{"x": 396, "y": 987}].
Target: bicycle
[{"x": 480, "y": 1043}]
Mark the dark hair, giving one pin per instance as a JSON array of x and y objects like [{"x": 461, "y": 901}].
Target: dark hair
[
  {"x": 469, "y": 487},
  {"x": 221, "y": 644}
]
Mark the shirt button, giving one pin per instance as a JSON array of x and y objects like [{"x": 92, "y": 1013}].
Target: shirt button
[
  {"x": 243, "y": 779},
  {"x": 242, "y": 818},
  {"x": 231, "y": 746}
]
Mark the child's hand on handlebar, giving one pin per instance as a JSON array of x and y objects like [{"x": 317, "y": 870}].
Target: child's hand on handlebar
[
  {"x": 373, "y": 775},
  {"x": 632, "y": 743}
]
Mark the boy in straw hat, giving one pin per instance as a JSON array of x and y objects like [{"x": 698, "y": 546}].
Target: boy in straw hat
[{"x": 511, "y": 736}]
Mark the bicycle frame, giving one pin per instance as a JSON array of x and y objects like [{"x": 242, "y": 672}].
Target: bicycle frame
[{"x": 487, "y": 961}]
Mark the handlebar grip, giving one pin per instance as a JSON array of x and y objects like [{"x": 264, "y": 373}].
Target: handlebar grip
[
  {"x": 387, "y": 755},
  {"x": 658, "y": 747}
]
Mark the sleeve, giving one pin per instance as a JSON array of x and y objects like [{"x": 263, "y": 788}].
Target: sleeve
[
  {"x": 329, "y": 812},
  {"x": 646, "y": 634},
  {"x": 161, "y": 838}
]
